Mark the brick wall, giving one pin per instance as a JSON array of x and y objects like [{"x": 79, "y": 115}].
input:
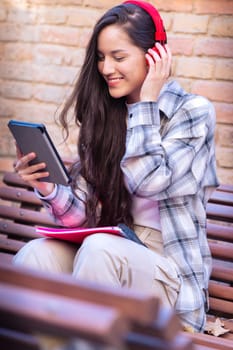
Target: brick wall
[{"x": 42, "y": 44}]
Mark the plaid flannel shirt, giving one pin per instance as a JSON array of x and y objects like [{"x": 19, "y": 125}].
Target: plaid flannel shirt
[{"x": 169, "y": 158}]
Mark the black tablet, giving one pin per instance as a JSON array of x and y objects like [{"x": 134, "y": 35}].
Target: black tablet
[{"x": 33, "y": 137}]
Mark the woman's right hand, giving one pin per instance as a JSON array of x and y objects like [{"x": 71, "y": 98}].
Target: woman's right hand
[{"x": 32, "y": 173}]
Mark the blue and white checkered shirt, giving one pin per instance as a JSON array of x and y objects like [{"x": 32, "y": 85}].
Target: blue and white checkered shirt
[{"x": 169, "y": 158}]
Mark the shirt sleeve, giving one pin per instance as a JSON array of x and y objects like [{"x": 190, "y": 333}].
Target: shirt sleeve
[
  {"x": 67, "y": 208},
  {"x": 172, "y": 162}
]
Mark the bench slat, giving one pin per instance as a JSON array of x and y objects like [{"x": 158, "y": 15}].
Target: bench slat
[
  {"x": 40, "y": 311},
  {"x": 220, "y": 250},
  {"x": 26, "y": 215},
  {"x": 220, "y": 291},
  {"x": 20, "y": 230},
  {"x": 145, "y": 312},
  {"x": 210, "y": 341},
  {"x": 222, "y": 273},
  {"x": 220, "y": 212},
  {"x": 10, "y": 245},
  {"x": 225, "y": 188},
  {"x": 10, "y": 339},
  {"x": 224, "y": 233},
  {"x": 220, "y": 197},
  {"x": 221, "y": 305},
  {"x": 19, "y": 195}
]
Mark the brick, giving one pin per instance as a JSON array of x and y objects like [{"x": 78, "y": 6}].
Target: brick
[
  {"x": 225, "y": 175},
  {"x": 18, "y": 52},
  {"x": 6, "y": 164},
  {"x": 18, "y": 32},
  {"x": 185, "y": 83},
  {"x": 71, "y": 2},
  {"x": 48, "y": 93},
  {"x": 214, "y": 90},
  {"x": 3, "y": 14},
  {"x": 83, "y": 17},
  {"x": 225, "y": 134},
  {"x": 46, "y": 54},
  {"x": 51, "y": 54},
  {"x": 224, "y": 69},
  {"x": 103, "y": 4},
  {"x": 2, "y": 50},
  {"x": 21, "y": 15},
  {"x": 44, "y": 2},
  {"x": 17, "y": 90},
  {"x": 64, "y": 35},
  {"x": 6, "y": 108},
  {"x": 190, "y": 23},
  {"x": 59, "y": 75},
  {"x": 37, "y": 73},
  {"x": 220, "y": 47},
  {"x": 224, "y": 156},
  {"x": 33, "y": 111},
  {"x": 52, "y": 15},
  {"x": 181, "y": 45},
  {"x": 17, "y": 71},
  {"x": 194, "y": 67},
  {"x": 174, "y": 5},
  {"x": 221, "y": 26},
  {"x": 214, "y": 6},
  {"x": 167, "y": 20},
  {"x": 224, "y": 112}
]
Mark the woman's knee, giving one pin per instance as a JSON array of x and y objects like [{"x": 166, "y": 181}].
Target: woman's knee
[{"x": 47, "y": 254}]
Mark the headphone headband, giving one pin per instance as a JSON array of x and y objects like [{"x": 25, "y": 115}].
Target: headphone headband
[{"x": 160, "y": 33}]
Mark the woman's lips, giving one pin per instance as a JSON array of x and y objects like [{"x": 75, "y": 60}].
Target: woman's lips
[{"x": 113, "y": 81}]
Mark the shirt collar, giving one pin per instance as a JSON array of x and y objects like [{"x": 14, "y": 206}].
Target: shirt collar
[{"x": 170, "y": 98}]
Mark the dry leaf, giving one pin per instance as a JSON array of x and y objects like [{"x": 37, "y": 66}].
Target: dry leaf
[{"x": 216, "y": 328}]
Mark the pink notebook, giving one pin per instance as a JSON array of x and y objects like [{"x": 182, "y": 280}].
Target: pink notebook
[{"x": 77, "y": 234}]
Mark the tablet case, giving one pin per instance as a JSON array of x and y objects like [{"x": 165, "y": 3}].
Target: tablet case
[{"x": 33, "y": 137}]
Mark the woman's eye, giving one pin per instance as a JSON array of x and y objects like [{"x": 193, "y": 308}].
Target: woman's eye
[
  {"x": 119, "y": 59},
  {"x": 100, "y": 59}
]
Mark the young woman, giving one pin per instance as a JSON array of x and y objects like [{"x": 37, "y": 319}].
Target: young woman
[{"x": 146, "y": 159}]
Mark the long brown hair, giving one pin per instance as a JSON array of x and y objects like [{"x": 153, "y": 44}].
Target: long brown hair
[{"x": 102, "y": 121}]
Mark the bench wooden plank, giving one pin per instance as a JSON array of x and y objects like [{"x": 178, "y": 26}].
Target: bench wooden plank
[
  {"x": 18, "y": 230},
  {"x": 221, "y": 291},
  {"x": 10, "y": 245},
  {"x": 222, "y": 273},
  {"x": 19, "y": 195},
  {"x": 220, "y": 197},
  {"x": 220, "y": 232},
  {"x": 11, "y": 339},
  {"x": 210, "y": 341},
  {"x": 219, "y": 212},
  {"x": 223, "y": 306},
  {"x": 225, "y": 188},
  {"x": 26, "y": 216},
  {"x": 51, "y": 314},
  {"x": 65, "y": 285},
  {"x": 220, "y": 250}
]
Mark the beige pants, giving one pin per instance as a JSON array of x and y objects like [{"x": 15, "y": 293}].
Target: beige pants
[{"x": 110, "y": 260}]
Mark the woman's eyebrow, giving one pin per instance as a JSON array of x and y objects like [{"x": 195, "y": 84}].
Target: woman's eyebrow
[{"x": 114, "y": 51}]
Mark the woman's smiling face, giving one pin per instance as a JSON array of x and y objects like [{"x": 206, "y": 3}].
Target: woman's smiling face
[{"x": 121, "y": 63}]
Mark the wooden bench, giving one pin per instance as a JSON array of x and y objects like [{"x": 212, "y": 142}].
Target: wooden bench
[{"x": 20, "y": 211}]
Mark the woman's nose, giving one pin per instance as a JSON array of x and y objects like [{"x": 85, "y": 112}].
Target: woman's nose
[{"x": 108, "y": 67}]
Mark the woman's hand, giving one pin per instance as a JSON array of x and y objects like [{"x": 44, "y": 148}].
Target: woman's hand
[
  {"x": 32, "y": 173},
  {"x": 159, "y": 67}
]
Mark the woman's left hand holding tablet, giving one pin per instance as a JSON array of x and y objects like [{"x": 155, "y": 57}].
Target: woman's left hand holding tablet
[{"x": 32, "y": 173}]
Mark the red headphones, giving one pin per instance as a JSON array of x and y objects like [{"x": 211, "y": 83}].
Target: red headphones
[{"x": 160, "y": 33}]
